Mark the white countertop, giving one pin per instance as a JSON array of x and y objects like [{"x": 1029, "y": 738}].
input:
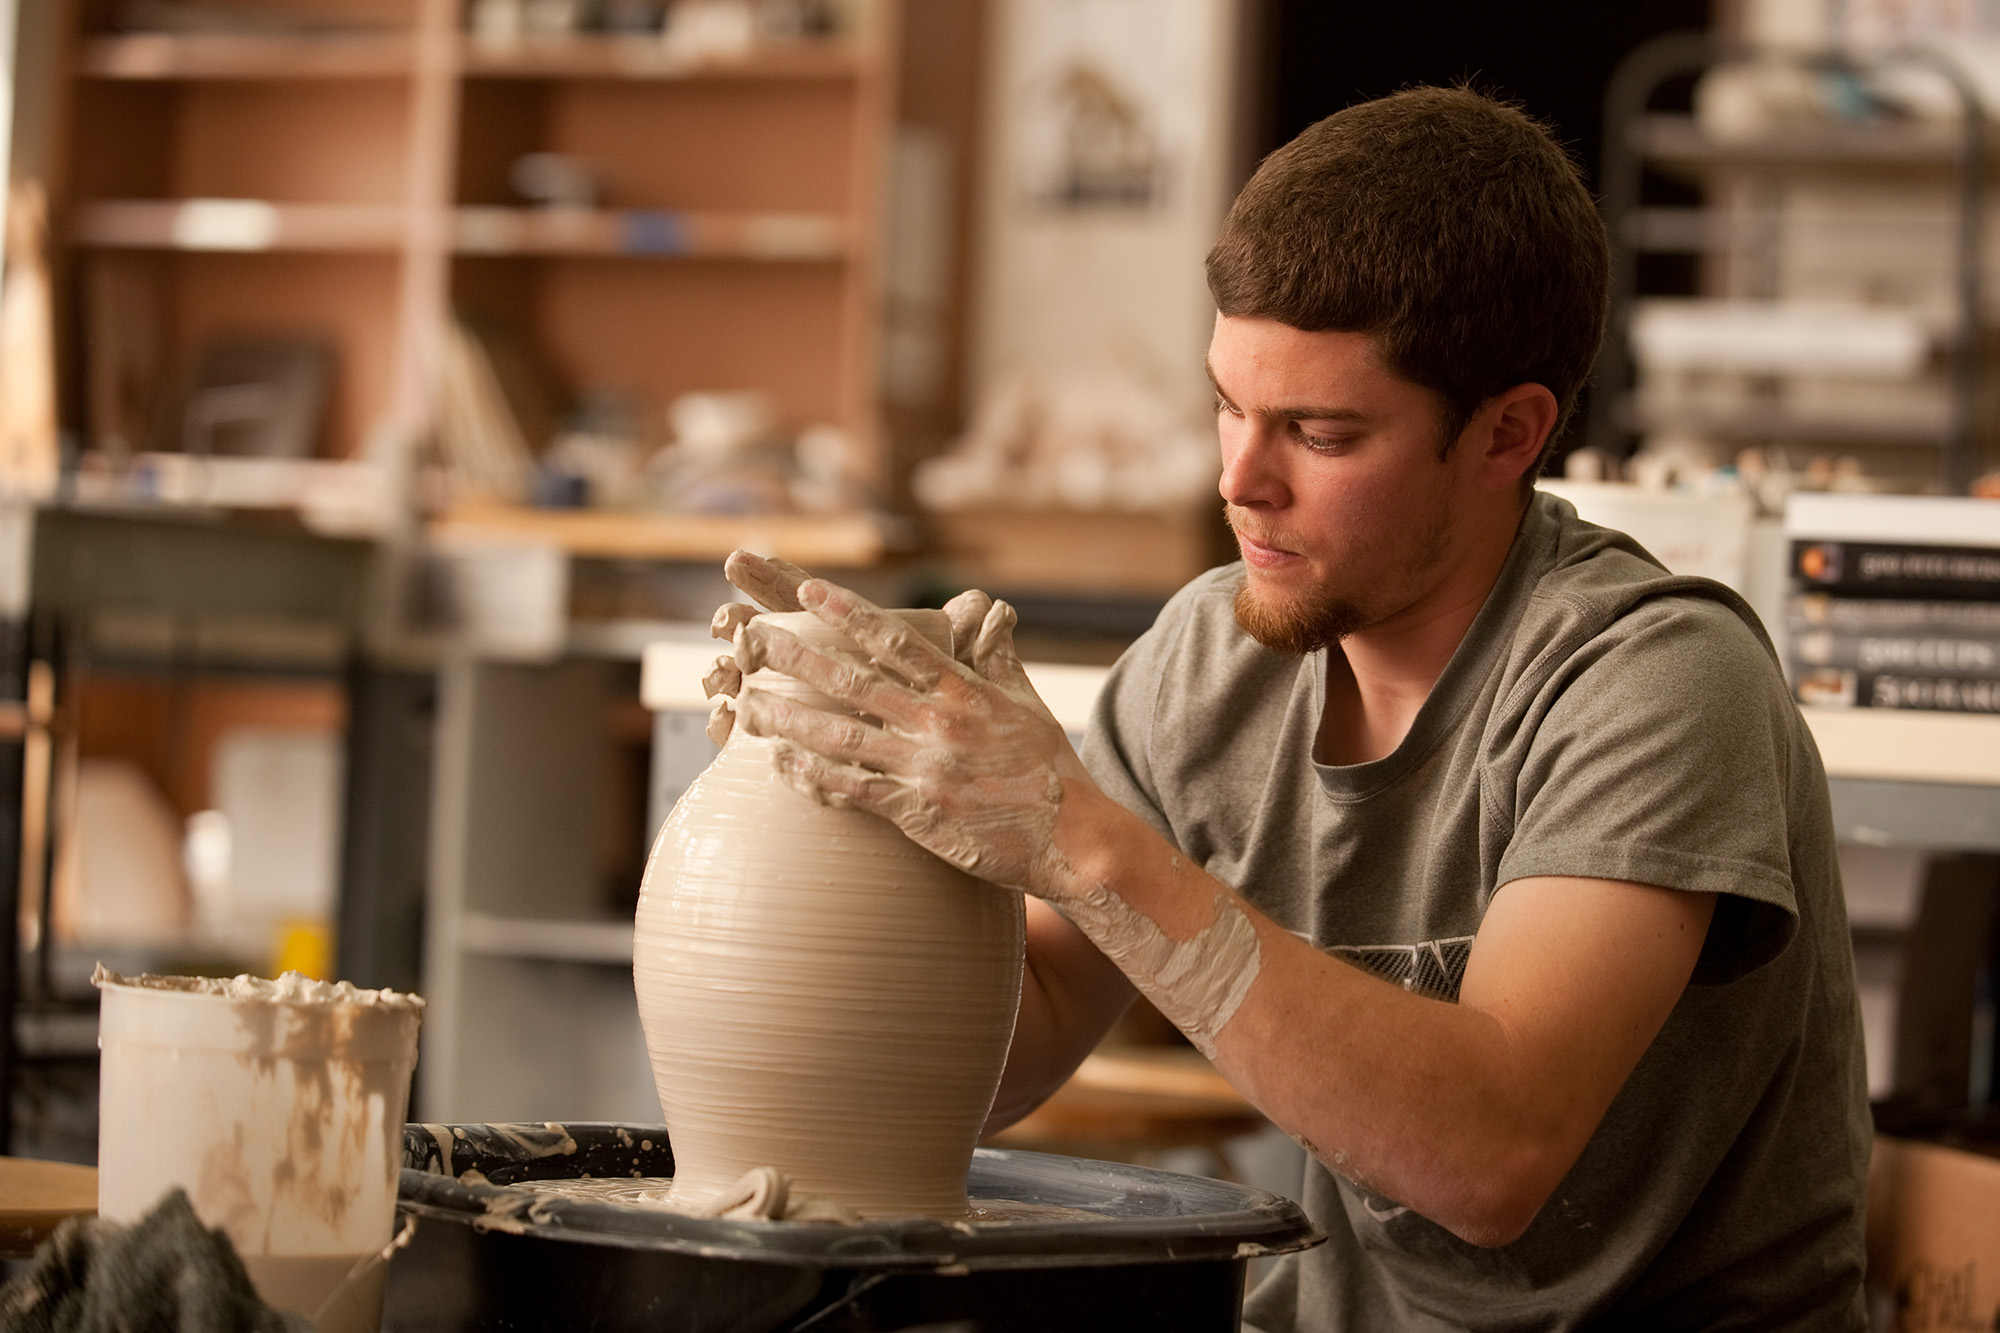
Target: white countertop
[{"x": 1875, "y": 743}]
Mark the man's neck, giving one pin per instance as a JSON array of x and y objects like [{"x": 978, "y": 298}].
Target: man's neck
[{"x": 1377, "y": 679}]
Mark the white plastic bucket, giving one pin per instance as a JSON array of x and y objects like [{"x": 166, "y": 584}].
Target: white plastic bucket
[{"x": 278, "y": 1107}]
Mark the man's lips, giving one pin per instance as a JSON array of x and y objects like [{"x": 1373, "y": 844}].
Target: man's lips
[
  {"x": 1261, "y": 555},
  {"x": 1259, "y": 549}
]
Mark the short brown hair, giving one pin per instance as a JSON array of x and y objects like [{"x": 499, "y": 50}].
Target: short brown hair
[{"x": 1450, "y": 228}]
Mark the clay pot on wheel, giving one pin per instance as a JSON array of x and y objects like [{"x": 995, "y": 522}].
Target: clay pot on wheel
[{"x": 819, "y": 994}]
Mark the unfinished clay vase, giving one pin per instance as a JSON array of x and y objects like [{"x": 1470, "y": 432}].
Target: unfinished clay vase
[{"x": 819, "y": 994}]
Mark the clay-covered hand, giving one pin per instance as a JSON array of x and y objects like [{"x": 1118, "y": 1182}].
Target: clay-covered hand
[
  {"x": 773, "y": 585},
  {"x": 962, "y": 755}
]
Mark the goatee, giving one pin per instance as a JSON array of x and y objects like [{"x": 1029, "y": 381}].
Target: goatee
[{"x": 1297, "y": 625}]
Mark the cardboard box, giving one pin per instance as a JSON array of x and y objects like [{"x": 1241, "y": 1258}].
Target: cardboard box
[{"x": 1934, "y": 1237}]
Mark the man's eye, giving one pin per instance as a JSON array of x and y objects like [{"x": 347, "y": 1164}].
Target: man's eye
[
  {"x": 1224, "y": 405},
  {"x": 1325, "y": 444}
]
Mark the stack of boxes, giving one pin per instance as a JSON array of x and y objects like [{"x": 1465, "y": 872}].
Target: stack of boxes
[{"x": 1895, "y": 602}]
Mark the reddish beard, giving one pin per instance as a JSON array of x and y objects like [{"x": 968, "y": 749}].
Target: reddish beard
[{"x": 1295, "y": 625}]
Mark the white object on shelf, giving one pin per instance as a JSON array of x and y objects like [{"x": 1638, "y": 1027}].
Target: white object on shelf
[
  {"x": 1915, "y": 520},
  {"x": 1689, "y": 533},
  {"x": 1779, "y": 337},
  {"x": 225, "y": 224}
]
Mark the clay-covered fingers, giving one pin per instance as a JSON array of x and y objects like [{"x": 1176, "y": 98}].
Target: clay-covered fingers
[
  {"x": 889, "y": 640},
  {"x": 721, "y": 720},
  {"x": 725, "y": 677},
  {"x": 772, "y": 584},
  {"x": 992, "y": 654},
  {"x": 728, "y": 618},
  {"x": 829, "y": 782},
  {"x": 966, "y": 612},
  {"x": 835, "y": 736},
  {"x": 847, "y": 680},
  {"x": 994, "y": 657}
]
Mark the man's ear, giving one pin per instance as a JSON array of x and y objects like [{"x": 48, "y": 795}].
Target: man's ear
[{"x": 1514, "y": 425}]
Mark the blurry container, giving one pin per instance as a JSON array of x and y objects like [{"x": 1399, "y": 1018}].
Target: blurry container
[{"x": 278, "y": 1106}]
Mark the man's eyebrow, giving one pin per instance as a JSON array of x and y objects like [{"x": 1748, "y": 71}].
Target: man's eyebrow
[{"x": 1289, "y": 413}]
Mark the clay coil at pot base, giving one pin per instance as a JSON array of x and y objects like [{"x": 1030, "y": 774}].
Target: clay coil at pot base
[{"x": 819, "y": 994}]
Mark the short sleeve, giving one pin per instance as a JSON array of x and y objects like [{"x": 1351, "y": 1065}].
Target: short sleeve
[
  {"x": 1116, "y": 743},
  {"x": 1662, "y": 755}
]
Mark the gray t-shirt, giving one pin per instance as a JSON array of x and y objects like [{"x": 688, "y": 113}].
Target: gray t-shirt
[{"x": 1601, "y": 718}]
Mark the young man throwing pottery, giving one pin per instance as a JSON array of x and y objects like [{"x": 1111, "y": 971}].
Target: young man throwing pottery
[{"x": 1488, "y": 859}]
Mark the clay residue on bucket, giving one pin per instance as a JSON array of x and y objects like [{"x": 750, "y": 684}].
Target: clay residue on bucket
[{"x": 291, "y": 988}]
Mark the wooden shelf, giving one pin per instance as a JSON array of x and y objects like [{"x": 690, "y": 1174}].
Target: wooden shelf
[
  {"x": 664, "y": 233},
  {"x": 1908, "y": 746},
  {"x": 237, "y": 224},
  {"x": 163, "y": 55},
  {"x": 37, "y": 1197},
  {"x": 829, "y": 542},
  {"x": 601, "y": 56}
]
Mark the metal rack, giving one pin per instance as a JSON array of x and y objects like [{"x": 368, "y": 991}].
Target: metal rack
[{"x": 1637, "y": 140}]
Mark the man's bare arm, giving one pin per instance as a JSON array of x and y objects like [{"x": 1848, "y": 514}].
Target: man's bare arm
[{"x": 1469, "y": 1113}]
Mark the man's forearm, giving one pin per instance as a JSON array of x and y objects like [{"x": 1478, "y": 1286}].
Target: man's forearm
[{"x": 1454, "y": 1110}]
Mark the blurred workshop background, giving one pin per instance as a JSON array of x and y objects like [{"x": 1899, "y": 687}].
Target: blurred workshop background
[{"x": 382, "y": 383}]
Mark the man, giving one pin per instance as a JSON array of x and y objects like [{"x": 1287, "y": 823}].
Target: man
[{"x": 1489, "y": 860}]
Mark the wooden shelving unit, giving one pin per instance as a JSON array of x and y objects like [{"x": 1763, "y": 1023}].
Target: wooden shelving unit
[
  {"x": 349, "y": 181},
  {"x": 734, "y": 242},
  {"x": 287, "y": 183}
]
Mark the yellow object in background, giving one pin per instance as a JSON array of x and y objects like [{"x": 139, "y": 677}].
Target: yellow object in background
[{"x": 305, "y": 947}]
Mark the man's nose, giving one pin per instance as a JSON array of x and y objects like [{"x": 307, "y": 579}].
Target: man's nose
[{"x": 1251, "y": 476}]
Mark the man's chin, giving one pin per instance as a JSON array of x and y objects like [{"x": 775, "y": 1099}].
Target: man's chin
[{"x": 1294, "y": 624}]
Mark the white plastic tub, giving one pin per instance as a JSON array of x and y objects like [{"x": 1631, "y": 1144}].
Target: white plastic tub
[{"x": 278, "y": 1106}]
